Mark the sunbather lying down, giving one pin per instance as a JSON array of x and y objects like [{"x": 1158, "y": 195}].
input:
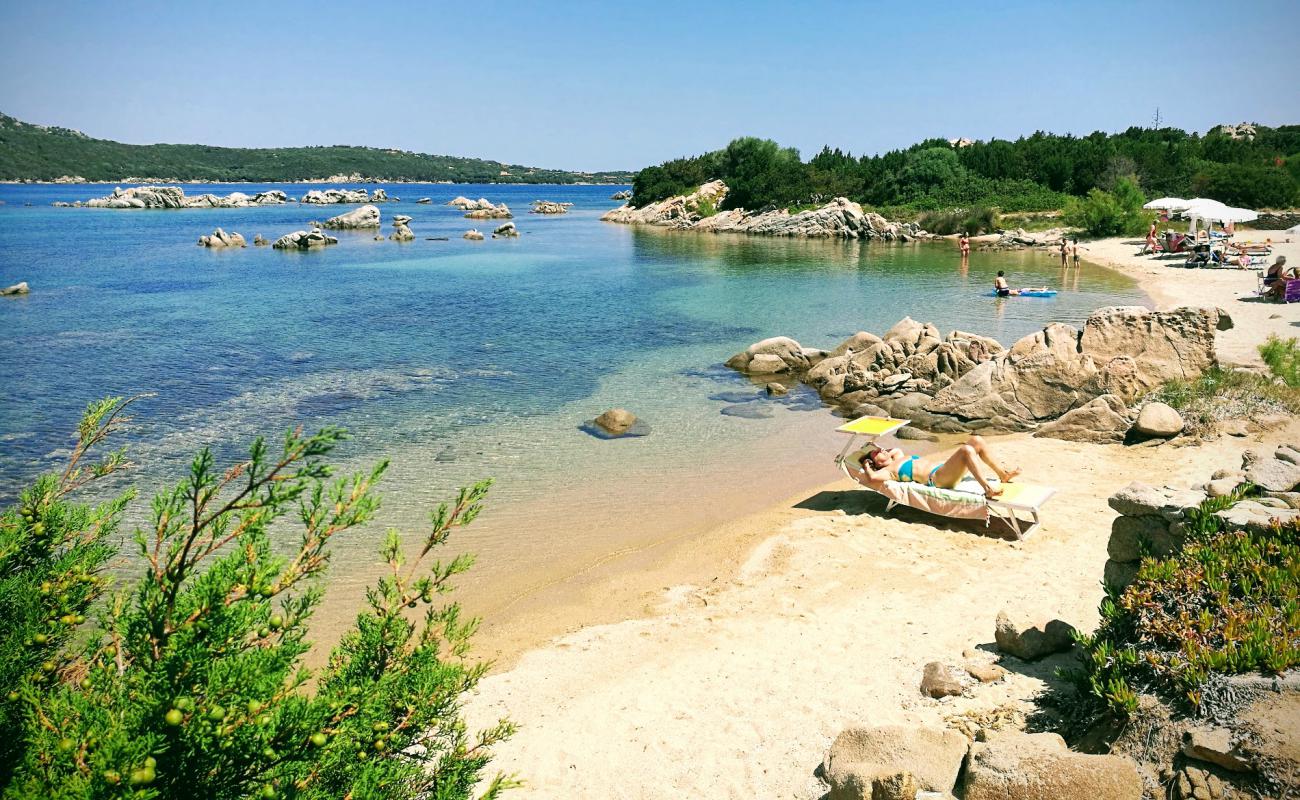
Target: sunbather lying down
[{"x": 944, "y": 469}]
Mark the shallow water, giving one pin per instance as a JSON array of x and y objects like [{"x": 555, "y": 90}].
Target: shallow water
[{"x": 457, "y": 359}]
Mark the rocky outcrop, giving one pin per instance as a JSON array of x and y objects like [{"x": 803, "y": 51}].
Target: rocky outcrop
[
  {"x": 473, "y": 235},
  {"x": 220, "y": 238},
  {"x": 964, "y": 382},
  {"x": 259, "y": 240},
  {"x": 625, "y": 194},
  {"x": 304, "y": 240},
  {"x": 16, "y": 289},
  {"x": 548, "y": 207},
  {"x": 159, "y": 197},
  {"x": 363, "y": 218},
  {"x": 466, "y": 204},
  {"x": 1038, "y": 766},
  {"x": 840, "y": 218},
  {"x": 506, "y": 231},
  {"x": 401, "y": 230}
]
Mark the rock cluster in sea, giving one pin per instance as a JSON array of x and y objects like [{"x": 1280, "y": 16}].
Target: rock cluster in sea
[
  {"x": 174, "y": 197},
  {"x": 401, "y": 229},
  {"x": 507, "y": 230},
  {"x": 697, "y": 211},
  {"x": 549, "y": 207},
  {"x": 333, "y": 196},
  {"x": 362, "y": 218},
  {"x": 625, "y": 194},
  {"x": 304, "y": 240},
  {"x": 965, "y": 382},
  {"x": 219, "y": 238}
]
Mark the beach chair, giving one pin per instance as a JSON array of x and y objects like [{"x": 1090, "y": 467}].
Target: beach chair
[{"x": 1019, "y": 505}]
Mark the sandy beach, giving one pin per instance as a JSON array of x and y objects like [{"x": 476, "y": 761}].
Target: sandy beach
[{"x": 760, "y": 639}]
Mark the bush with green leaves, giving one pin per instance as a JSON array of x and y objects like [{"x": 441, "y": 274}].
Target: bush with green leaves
[
  {"x": 1283, "y": 359},
  {"x": 970, "y": 221},
  {"x": 1227, "y": 603},
  {"x": 1117, "y": 213},
  {"x": 188, "y": 681}
]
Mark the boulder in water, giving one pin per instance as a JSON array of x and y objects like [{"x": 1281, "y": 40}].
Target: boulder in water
[
  {"x": 362, "y": 218},
  {"x": 507, "y": 230},
  {"x": 16, "y": 289},
  {"x": 473, "y": 234},
  {"x": 401, "y": 231},
  {"x": 219, "y": 238},
  {"x": 304, "y": 240}
]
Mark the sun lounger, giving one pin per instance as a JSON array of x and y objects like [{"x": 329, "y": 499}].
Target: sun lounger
[{"x": 1019, "y": 505}]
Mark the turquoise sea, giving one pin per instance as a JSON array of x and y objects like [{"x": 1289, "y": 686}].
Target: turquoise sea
[{"x": 458, "y": 359}]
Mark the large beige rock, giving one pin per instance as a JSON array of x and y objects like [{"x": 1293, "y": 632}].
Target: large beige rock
[
  {"x": 1275, "y": 471},
  {"x": 932, "y": 755},
  {"x": 1124, "y": 351},
  {"x": 1018, "y": 766},
  {"x": 361, "y": 218},
  {"x": 16, "y": 289},
  {"x": 333, "y": 196},
  {"x": 1158, "y": 419},
  {"x": 473, "y": 235},
  {"x": 1104, "y": 420},
  {"x": 550, "y": 207}
]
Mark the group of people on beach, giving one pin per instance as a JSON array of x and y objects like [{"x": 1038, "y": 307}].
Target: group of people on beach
[
  {"x": 1068, "y": 249},
  {"x": 1275, "y": 279}
]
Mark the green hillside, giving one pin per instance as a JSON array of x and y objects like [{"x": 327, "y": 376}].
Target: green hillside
[{"x": 41, "y": 153}]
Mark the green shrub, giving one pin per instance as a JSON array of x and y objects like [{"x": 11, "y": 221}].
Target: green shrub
[
  {"x": 1283, "y": 358},
  {"x": 1225, "y": 394},
  {"x": 1117, "y": 213},
  {"x": 189, "y": 681},
  {"x": 706, "y": 207},
  {"x": 971, "y": 221},
  {"x": 1227, "y": 603}
]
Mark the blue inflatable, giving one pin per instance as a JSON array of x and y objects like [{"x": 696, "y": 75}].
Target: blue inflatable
[{"x": 1030, "y": 293}]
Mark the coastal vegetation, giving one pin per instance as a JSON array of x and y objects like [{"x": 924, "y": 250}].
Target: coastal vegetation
[
  {"x": 188, "y": 681},
  {"x": 41, "y": 153},
  {"x": 1042, "y": 171}
]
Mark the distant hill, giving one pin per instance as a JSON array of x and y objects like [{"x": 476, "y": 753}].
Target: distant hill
[{"x": 44, "y": 153}]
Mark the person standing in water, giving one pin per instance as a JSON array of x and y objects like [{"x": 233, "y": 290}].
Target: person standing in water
[
  {"x": 964, "y": 244},
  {"x": 1074, "y": 251},
  {"x": 1065, "y": 251}
]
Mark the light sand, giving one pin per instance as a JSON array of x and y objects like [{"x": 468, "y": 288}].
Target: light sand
[{"x": 763, "y": 638}]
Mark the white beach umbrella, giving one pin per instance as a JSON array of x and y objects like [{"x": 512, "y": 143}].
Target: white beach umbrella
[
  {"x": 1167, "y": 204},
  {"x": 1215, "y": 211}
]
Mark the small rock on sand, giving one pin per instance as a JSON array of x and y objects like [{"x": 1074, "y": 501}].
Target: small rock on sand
[{"x": 938, "y": 681}]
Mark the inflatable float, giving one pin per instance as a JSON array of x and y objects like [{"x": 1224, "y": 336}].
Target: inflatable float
[{"x": 1030, "y": 293}]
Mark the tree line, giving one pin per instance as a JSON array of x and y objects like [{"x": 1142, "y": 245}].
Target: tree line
[{"x": 1037, "y": 172}]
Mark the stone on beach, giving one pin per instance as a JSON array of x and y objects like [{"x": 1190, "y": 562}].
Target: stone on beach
[
  {"x": 1158, "y": 420},
  {"x": 16, "y": 289},
  {"x": 363, "y": 218},
  {"x": 219, "y": 238},
  {"x": 1030, "y": 639},
  {"x": 861, "y": 756},
  {"x": 1105, "y": 420},
  {"x": 1038, "y": 766},
  {"x": 939, "y": 681}
]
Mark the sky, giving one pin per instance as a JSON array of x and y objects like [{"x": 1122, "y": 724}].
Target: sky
[{"x": 612, "y": 85}]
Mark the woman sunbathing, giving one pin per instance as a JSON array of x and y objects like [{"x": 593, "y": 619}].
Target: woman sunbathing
[{"x": 942, "y": 470}]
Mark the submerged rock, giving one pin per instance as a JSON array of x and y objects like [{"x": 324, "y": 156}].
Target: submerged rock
[{"x": 616, "y": 423}]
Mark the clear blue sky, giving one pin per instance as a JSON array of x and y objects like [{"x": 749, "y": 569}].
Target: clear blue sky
[{"x": 607, "y": 85}]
